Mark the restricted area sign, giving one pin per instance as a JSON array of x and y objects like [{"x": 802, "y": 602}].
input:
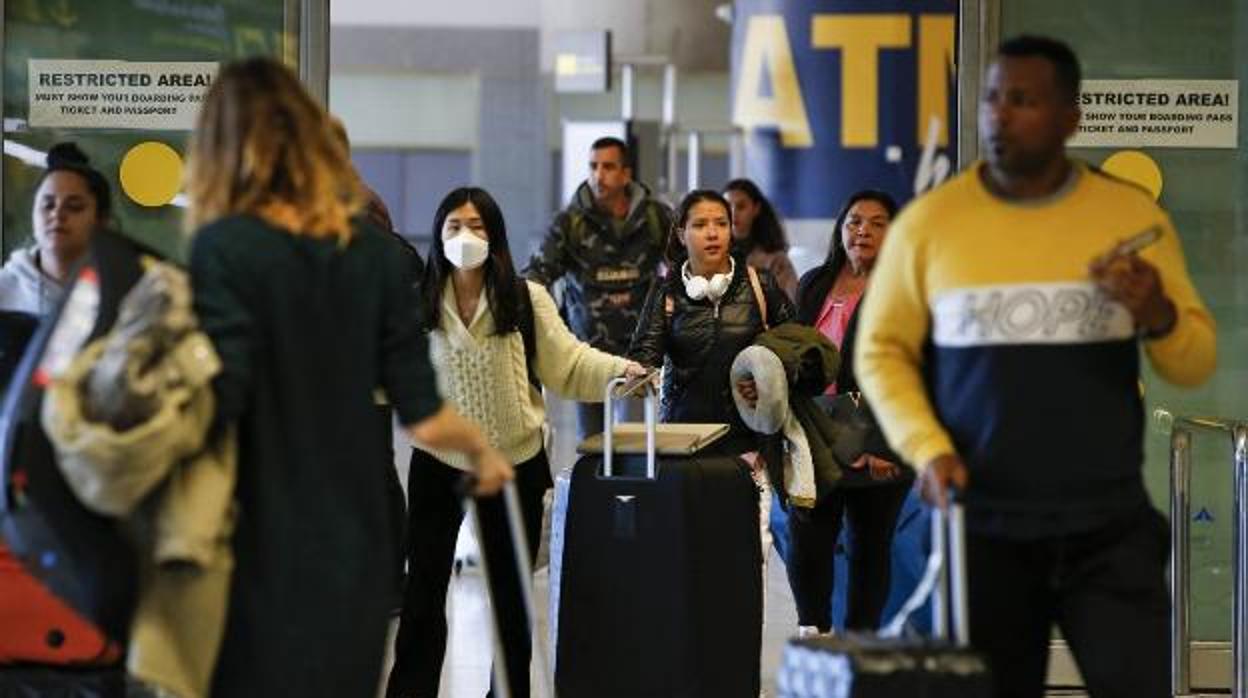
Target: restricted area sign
[
  {"x": 1158, "y": 114},
  {"x": 154, "y": 96}
]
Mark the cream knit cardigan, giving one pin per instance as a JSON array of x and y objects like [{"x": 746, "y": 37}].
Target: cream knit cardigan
[{"x": 485, "y": 377}]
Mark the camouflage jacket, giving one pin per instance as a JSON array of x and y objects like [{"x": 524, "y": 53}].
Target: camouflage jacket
[{"x": 607, "y": 274}]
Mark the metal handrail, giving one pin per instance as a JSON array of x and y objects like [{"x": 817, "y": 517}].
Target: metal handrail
[{"x": 1180, "y": 545}]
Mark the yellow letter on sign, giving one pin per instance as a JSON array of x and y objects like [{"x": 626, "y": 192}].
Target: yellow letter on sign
[
  {"x": 936, "y": 33},
  {"x": 767, "y": 44},
  {"x": 860, "y": 38}
]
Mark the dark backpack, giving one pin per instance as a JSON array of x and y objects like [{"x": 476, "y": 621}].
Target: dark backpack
[{"x": 528, "y": 333}]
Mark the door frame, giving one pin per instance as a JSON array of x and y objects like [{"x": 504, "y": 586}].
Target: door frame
[{"x": 311, "y": 55}]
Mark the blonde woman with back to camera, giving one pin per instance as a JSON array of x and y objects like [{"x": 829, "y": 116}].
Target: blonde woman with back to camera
[{"x": 309, "y": 311}]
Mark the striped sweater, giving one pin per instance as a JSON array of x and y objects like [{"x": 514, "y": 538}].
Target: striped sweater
[{"x": 984, "y": 336}]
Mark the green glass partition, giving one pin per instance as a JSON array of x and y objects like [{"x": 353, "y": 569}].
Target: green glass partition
[
  {"x": 1206, "y": 192},
  {"x": 133, "y": 30}
]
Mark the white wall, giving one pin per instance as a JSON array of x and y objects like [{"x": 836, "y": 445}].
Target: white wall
[
  {"x": 438, "y": 13},
  {"x": 407, "y": 109},
  {"x": 701, "y": 103},
  {"x": 684, "y": 30}
]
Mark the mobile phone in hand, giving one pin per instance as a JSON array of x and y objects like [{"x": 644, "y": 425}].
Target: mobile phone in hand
[{"x": 1135, "y": 243}]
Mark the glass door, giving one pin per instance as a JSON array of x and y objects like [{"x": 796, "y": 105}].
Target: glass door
[{"x": 167, "y": 42}]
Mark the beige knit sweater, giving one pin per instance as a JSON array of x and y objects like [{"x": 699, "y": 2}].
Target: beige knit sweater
[{"x": 485, "y": 377}]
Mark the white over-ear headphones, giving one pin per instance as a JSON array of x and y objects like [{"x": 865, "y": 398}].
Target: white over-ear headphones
[{"x": 712, "y": 289}]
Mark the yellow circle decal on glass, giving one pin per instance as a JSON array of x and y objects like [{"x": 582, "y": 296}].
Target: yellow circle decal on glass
[
  {"x": 1137, "y": 167},
  {"x": 151, "y": 173}
]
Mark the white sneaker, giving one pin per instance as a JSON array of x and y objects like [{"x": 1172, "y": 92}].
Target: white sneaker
[{"x": 804, "y": 631}]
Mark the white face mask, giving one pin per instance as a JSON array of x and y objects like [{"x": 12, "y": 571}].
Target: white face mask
[{"x": 466, "y": 251}]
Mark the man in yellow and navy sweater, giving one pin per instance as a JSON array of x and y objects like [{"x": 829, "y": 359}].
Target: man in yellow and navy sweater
[{"x": 999, "y": 347}]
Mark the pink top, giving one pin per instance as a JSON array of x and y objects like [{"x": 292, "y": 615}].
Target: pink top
[{"x": 833, "y": 321}]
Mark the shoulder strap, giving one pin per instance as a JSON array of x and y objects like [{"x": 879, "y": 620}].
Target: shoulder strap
[
  {"x": 657, "y": 233},
  {"x": 758, "y": 295},
  {"x": 528, "y": 333},
  {"x": 576, "y": 219}
]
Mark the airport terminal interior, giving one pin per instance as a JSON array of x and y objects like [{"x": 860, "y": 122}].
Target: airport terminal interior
[{"x": 810, "y": 99}]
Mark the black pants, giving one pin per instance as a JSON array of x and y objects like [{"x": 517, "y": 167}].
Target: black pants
[
  {"x": 1105, "y": 589},
  {"x": 435, "y": 512},
  {"x": 872, "y": 511}
]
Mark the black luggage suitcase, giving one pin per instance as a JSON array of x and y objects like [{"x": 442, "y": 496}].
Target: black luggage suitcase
[
  {"x": 656, "y": 574},
  {"x": 61, "y": 682},
  {"x": 888, "y": 665}
]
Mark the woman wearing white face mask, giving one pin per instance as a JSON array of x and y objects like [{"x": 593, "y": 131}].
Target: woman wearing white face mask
[{"x": 479, "y": 313}]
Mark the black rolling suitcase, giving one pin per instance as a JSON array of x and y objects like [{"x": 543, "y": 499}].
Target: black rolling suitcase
[
  {"x": 656, "y": 574},
  {"x": 888, "y": 664}
]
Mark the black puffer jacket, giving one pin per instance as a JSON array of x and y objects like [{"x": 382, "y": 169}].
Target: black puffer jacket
[{"x": 697, "y": 342}]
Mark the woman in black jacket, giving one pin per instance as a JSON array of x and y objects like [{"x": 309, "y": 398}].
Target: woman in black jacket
[
  {"x": 874, "y": 487},
  {"x": 700, "y": 315}
]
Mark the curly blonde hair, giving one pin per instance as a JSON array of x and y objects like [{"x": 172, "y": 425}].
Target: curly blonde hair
[{"x": 261, "y": 146}]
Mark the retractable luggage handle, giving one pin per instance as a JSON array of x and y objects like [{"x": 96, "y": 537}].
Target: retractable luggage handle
[
  {"x": 949, "y": 537},
  {"x": 524, "y": 569},
  {"x": 608, "y": 422},
  {"x": 941, "y": 582}
]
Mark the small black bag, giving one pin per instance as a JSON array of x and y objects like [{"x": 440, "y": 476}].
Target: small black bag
[{"x": 855, "y": 430}]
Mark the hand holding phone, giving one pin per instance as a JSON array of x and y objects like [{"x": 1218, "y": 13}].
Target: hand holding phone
[
  {"x": 1135, "y": 283},
  {"x": 1133, "y": 244}
]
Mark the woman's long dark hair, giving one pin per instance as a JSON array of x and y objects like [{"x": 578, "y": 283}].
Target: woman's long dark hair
[
  {"x": 500, "y": 272},
  {"x": 676, "y": 253},
  {"x": 837, "y": 256},
  {"x": 766, "y": 232}
]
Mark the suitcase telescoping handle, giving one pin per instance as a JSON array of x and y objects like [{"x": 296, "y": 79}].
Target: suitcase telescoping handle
[
  {"x": 608, "y": 420},
  {"x": 949, "y": 537},
  {"x": 524, "y": 570},
  {"x": 944, "y": 579}
]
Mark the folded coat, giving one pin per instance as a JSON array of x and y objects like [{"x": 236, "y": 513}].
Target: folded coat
[
  {"x": 154, "y": 464},
  {"x": 786, "y": 403}
]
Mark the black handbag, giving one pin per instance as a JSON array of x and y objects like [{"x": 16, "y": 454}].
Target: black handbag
[{"x": 855, "y": 430}]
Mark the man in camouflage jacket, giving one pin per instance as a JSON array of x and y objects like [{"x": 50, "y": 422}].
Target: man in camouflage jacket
[{"x": 607, "y": 245}]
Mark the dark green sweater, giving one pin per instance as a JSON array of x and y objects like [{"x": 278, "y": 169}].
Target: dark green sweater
[{"x": 306, "y": 330}]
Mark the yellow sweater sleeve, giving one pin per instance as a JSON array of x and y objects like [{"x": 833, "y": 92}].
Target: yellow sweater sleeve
[
  {"x": 1187, "y": 355},
  {"x": 888, "y": 354},
  {"x": 566, "y": 365}
]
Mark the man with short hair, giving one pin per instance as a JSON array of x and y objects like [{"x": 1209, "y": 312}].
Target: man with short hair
[
  {"x": 607, "y": 245},
  {"x": 1000, "y": 348}
]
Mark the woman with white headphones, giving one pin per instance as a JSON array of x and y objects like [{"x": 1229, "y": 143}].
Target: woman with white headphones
[{"x": 697, "y": 318}]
